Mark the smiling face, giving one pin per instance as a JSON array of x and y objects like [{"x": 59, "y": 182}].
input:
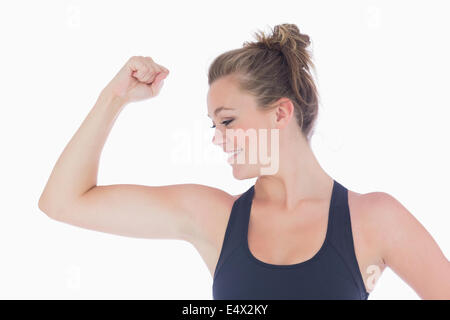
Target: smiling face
[{"x": 238, "y": 122}]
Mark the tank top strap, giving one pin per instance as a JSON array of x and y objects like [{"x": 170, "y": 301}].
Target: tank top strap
[
  {"x": 235, "y": 228},
  {"x": 341, "y": 237}
]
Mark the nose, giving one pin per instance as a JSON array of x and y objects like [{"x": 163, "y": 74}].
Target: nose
[{"x": 217, "y": 139}]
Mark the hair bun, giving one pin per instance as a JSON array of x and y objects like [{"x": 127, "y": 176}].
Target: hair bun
[{"x": 283, "y": 36}]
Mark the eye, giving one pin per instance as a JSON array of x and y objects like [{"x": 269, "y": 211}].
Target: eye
[{"x": 226, "y": 122}]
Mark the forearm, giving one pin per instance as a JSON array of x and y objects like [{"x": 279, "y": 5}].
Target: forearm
[{"x": 75, "y": 171}]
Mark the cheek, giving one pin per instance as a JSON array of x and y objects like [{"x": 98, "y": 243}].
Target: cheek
[
  {"x": 246, "y": 134},
  {"x": 258, "y": 142},
  {"x": 245, "y": 137}
]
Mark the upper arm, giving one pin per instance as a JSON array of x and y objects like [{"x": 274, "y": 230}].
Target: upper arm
[
  {"x": 409, "y": 249},
  {"x": 168, "y": 212}
]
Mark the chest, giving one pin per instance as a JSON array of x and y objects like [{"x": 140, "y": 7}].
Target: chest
[
  {"x": 287, "y": 237},
  {"x": 294, "y": 237}
]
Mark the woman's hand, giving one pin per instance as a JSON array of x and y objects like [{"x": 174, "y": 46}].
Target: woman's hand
[{"x": 139, "y": 79}]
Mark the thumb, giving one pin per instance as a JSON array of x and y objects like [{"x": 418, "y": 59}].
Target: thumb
[{"x": 158, "y": 83}]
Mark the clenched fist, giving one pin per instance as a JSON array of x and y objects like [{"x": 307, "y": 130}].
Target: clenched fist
[{"x": 139, "y": 79}]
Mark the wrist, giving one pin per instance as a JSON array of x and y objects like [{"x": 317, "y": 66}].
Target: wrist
[{"x": 114, "y": 100}]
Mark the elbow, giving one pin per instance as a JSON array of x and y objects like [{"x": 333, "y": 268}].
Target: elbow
[
  {"x": 54, "y": 203},
  {"x": 43, "y": 205},
  {"x": 48, "y": 207}
]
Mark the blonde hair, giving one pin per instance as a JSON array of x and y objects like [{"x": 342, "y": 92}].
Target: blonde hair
[{"x": 275, "y": 66}]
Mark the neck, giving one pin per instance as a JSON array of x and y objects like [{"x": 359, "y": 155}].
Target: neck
[{"x": 299, "y": 178}]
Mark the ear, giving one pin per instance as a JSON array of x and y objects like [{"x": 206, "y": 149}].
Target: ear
[{"x": 284, "y": 111}]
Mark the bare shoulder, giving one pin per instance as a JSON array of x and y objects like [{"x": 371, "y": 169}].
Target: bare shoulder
[
  {"x": 366, "y": 227},
  {"x": 404, "y": 244},
  {"x": 210, "y": 223},
  {"x": 388, "y": 221},
  {"x": 373, "y": 215},
  {"x": 374, "y": 209},
  {"x": 368, "y": 211},
  {"x": 368, "y": 205},
  {"x": 212, "y": 211}
]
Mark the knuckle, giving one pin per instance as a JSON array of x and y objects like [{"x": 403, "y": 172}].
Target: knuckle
[{"x": 149, "y": 61}]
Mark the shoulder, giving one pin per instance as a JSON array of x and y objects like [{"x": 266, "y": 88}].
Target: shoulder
[
  {"x": 383, "y": 219},
  {"x": 376, "y": 205},
  {"x": 210, "y": 207},
  {"x": 211, "y": 216},
  {"x": 376, "y": 210},
  {"x": 406, "y": 246},
  {"x": 207, "y": 201},
  {"x": 383, "y": 210}
]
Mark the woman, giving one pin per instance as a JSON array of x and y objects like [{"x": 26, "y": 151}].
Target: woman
[{"x": 296, "y": 233}]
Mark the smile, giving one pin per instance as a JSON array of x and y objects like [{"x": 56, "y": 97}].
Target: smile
[{"x": 233, "y": 153}]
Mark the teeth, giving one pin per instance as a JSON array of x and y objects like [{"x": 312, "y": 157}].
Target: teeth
[
  {"x": 233, "y": 154},
  {"x": 236, "y": 151}
]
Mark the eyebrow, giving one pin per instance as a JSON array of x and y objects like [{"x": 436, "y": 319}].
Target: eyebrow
[{"x": 219, "y": 109}]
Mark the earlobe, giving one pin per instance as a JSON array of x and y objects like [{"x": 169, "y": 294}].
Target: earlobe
[
  {"x": 284, "y": 109},
  {"x": 282, "y": 116}
]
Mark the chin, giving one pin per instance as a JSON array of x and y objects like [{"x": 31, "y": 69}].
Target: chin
[{"x": 242, "y": 172}]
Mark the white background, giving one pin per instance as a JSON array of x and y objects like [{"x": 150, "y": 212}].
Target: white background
[{"x": 382, "y": 73}]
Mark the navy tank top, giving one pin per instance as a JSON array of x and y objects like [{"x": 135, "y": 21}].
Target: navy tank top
[{"x": 332, "y": 273}]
